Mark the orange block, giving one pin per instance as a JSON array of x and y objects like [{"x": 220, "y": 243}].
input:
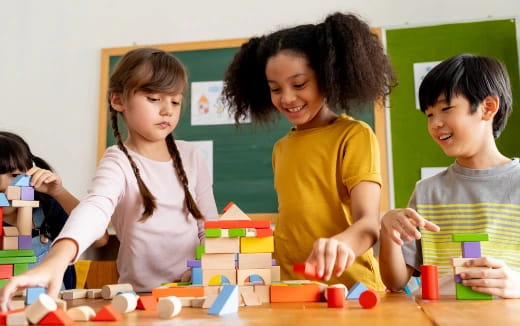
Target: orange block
[
  {"x": 57, "y": 317},
  {"x": 306, "y": 269},
  {"x": 148, "y": 302},
  {"x": 178, "y": 291},
  {"x": 228, "y": 206},
  {"x": 264, "y": 232},
  {"x": 107, "y": 313},
  {"x": 295, "y": 293},
  {"x": 3, "y": 315},
  {"x": 6, "y": 271}
]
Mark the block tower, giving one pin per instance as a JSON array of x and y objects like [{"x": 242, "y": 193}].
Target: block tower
[
  {"x": 470, "y": 245},
  {"x": 16, "y": 241}
]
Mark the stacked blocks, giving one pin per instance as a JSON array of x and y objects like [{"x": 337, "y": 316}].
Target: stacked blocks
[{"x": 470, "y": 246}]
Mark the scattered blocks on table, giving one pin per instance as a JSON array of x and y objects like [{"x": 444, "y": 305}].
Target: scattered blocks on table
[
  {"x": 369, "y": 299},
  {"x": 107, "y": 313},
  {"x": 169, "y": 307},
  {"x": 57, "y": 317},
  {"x": 356, "y": 290},
  {"x": 413, "y": 284},
  {"x": 33, "y": 294},
  {"x": 226, "y": 302},
  {"x": 81, "y": 313},
  {"x": 148, "y": 302},
  {"x": 335, "y": 297}
]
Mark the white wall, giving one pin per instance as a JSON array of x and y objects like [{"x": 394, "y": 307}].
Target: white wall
[{"x": 50, "y": 53}]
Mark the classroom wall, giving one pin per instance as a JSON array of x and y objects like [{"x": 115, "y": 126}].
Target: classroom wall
[{"x": 50, "y": 53}]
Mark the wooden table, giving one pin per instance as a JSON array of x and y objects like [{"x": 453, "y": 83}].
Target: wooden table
[{"x": 394, "y": 309}]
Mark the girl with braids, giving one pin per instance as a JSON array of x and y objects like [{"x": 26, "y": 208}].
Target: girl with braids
[
  {"x": 156, "y": 190},
  {"x": 56, "y": 202},
  {"x": 326, "y": 170}
]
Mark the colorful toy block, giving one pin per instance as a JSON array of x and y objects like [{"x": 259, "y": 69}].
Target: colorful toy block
[
  {"x": 430, "y": 282},
  {"x": 169, "y": 307},
  {"x": 471, "y": 250},
  {"x": 40, "y": 308},
  {"x": 22, "y": 180},
  {"x": 57, "y": 317},
  {"x": 148, "y": 302},
  {"x": 369, "y": 299},
  {"x": 107, "y": 313},
  {"x": 3, "y": 200},
  {"x": 466, "y": 293},
  {"x": 308, "y": 292},
  {"x": 469, "y": 237},
  {"x": 355, "y": 291},
  {"x": 81, "y": 313},
  {"x": 33, "y": 293},
  {"x": 226, "y": 302},
  {"x": 335, "y": 297},
  {"x": 413, "y": 284}
]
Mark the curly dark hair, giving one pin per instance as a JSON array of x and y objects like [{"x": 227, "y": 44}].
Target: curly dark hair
[{"x": 348, "y": 59}]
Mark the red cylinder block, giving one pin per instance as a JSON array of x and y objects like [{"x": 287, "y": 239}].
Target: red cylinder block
[
  {"x": 430, "y": 282},
  {"x": 369, "y": 299},
  {"x": 335, "y": 297}
]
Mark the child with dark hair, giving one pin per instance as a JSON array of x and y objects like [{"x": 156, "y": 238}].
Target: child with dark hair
[
  {"x": 327, "y": 169},
  {"x": 156, "y": 190},
  {"x": 56, "y": 202},
  {"x": 467, "y": 101}
]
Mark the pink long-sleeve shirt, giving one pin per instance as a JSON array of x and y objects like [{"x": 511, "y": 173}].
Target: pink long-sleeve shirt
[{"x": 156, "y": 250}]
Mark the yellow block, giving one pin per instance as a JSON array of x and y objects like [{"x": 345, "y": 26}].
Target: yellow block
[
  {"x": 82, "y": 267},
  {"x": 256, "y": 245}
]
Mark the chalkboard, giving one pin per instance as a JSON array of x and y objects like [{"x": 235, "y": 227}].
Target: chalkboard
[
  {"x": 412, "y": 146},
  {"x": 241, "y": 156}
]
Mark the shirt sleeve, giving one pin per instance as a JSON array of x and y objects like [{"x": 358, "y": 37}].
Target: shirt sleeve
[{"x": 412, "y": 251}]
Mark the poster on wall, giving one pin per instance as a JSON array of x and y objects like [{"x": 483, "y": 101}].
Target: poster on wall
[
  {"x": 420, "y": 70},
  {"x": 207, "y": 107}
]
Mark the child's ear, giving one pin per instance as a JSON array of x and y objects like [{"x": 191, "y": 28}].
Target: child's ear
[
  {"x": 116, "y": 100},
  {"x": 490, "y": 107}
]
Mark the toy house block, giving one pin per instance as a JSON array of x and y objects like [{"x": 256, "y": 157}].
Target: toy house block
[
  {"x": 471, "y": 249},
  {"x": 24, "y": 242},
  {"x": 226, "y": 302},
  {"x": 3, "y": 315},
  {"x": 199, "y": 251},
  {"x": 335, "y": 297},
  {"x": 3, "y": 200},
  {"x": 430, "y": 282},
  {"x": 57, "y": 317},
  {"x": 213, "y": 233},
  {"x": 24, "y": 220},
  {"x": 169, "y": 307},
  {"x": 125, "y": 302},
  {"x": 469, "y": 237},
  {"x": 193, "y": 263},
  {"x": 94, "y": 293},
  {"x": 178, "y": 291},
  {"x": 222, "y": 245},
  {"x": 243, "y": 274},
  {"x": 224, "y": 233},
  {"x": 17, "y": 260},
  {"x": 186, "y": 301},
  {"x": 466, "y": 293},
  {"x": 196, "y": 276},
  {"x": 256, "y": 260},
  {"x": 9, "y": 243},
  {"x": 40, "y": 308},
  {"x": 210, "y": 299},
  {"x": 13, "y": 193},
  {"x": 10, "y": 231},
  {"x": 6, "y": 271},
  {"x": 148, "y": 302},
  {"x": 306, "y": 269},
  {"x": 211, "y": 289},
  {"x": 18, "y": 318},
  {"x": 355, "y": 291},
  {"x": 110, "y": 291},
  {"x": 250, "y": 299},
  {"x": 232, "y": 212},
  {"x": 256, "y": 245},
  {"x": 369, "y": 299},
  {"x": 22, "y": 180},
  {"x": 458, "y": 270},
  {"x": 209, "y": 274},
  {"x": 237, "y": 232},
  {"x": 459, "y": 261},
  {"x": 250, "y": 232},
  {"x": 308, "y": 292},
  {"x": 198, "y": 302},
  {"x": 74, "y": 294},
  {"x": 25, "y": 203},
  {"x": 413, "y": 284},
  {"x": 27, "y": 193},
  {"x": 275, "y": 273},
  {"x": 107, "y": 313},
  {"x": 81, "y": 313},
  {"x": 230, "y": 224},
  {"x": 262, "y": 292},
  {"x": 260, "y": 233},
  {"x": 218, "y": 261},
  {"x": 33, "y": 293}
]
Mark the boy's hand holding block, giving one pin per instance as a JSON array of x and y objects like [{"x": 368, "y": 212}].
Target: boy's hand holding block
[{"x": 306, "y": 269}]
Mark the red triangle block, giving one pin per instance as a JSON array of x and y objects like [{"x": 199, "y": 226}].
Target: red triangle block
[
  {"x": 108, "y": 313},
  {"x": 3, "y": 315},
  {"x": 148, "y": 302},
  {"x": 57, "y": 317}
]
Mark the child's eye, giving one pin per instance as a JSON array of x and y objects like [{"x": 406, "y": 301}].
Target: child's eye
[
  {"x": 176, "y": 103},
  {"x": 429, "y": 115},
  {"x": 152, "y": 99},
  {"x": 299, "y": 85},
  {"x": 447, "y": 108},
  {"x": 14, "y": 175},
  {"x": 275, "y": 90}
]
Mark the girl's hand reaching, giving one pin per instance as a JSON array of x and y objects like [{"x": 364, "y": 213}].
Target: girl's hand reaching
[
  {"x": 331, "y": 256},
  {"x": 499, "y": 280},
  {"x": 45, "y": 181},
  {"x": 403, "y": 223}
]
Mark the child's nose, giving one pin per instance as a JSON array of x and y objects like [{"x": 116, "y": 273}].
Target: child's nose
[
  {"x": 288, "y": 97},
  {"x": 167, "y": 109}
]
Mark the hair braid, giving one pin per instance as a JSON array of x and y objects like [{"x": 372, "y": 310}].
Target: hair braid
[
  {"x": 148, "y": 198},
  {"x": 179, "y": 168}
]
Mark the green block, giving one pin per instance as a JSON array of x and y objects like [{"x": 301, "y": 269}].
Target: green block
[
  {"x": 17, "y": 253},
  {"x": 213, "y": 233},
  {"x": 3, "y": 282},
  {"x": 199, "y": 252},
  {"x": 469, "y": 237},
  {"x": 17, "y": 260},
  {"x": 238, "y": 232},
  {"x": 466, "y": 293},
  {"x": 20, "y": 268}
]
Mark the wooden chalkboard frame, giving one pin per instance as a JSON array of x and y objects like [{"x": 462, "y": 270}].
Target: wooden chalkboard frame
[{"x": 379, "y": 111}]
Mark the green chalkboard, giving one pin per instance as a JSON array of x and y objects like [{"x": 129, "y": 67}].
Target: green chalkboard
[
  {"x": 242, "y": 169},
  {"x": 412, "y": 146}
]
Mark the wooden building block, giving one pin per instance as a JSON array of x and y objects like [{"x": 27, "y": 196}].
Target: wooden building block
[
  {"x": 25, "y": 203},
  {"x": 244, "y": 274},
  {"x": 198, "y": 302},
  {"x": 169, "y": 307},
  {"x": 148, "y": 302},
  {"x": 324, "y": 287},
  {"x": 459, "y": 261},
  {"x": 229, "y": 224},
  {"x": 275, "y": 273},
  {"x": 24, "y": 221},
  {"x": 107, "y": 313},
  {"x": 250, "y": 299},
  {"x": 125, "y": 302},
  {"x": 308, "y": 292},
  {"x": 74, "y": 294},
  {"x": 229, "y": 274},
  {"x": 24, "y": 242},
  {"x": 226, "y": 302},
  {"x": 458, "y": 270},
  {"x": 18, "y": 318},
  {"x": 306, "y": 269},
  {"x": 110, "y": 291},
  {"x": 81, "y": 313},
  {"x": 335, "y": 297},
  {"x": 13, "y": 193},
  {"x": 33, "y": 293},
  {"x": 61, "y": 304},
  {"x": 3, "y": 315},
  {"x": 94, "y": 293},
  {"x": 9, "y": 243},
  {"x": 210, "y": 299},
  {"x": 256, "y": 245},
  {"x": 262, "y": 292},
  {"x": 178, "y": 291},
  {"x": 430, "y": 282},
  {"x": 255, "y": 260},
  {"x": 199, "y": 251},
  {"x": 355, "y": 291},
  {"x": 466, "y": 293},
  {"x": 264, "y": 232},
  {"x": 222, "y": 245},
  {"x": 27, "y": 193},
  {"x": 218, "y": 261},
  {"x": 369, "y": 299},
  {"x": 471, "y": 250},
  {"x": 3, "y": 200},
  {"x": 6, "y": 271},
  {"x": 213, "y": 233},
  {"x": 40, "y": 308},
  {"x": 57, "y": 317},
  {"x": 413, "y": 284},
  {"x": 20, "y": 268},
  {"x": 11, "y": 231},
  {"x": 469, "y": 237},
  {"x": 22, "y": 180},
  {"x": 232, "y": 212}
]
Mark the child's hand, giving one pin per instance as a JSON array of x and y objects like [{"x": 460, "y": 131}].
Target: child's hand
[
  {"x": 500, "y": 280},
  {"x": 330, "y": 255},
  {"x": 185, "y": 277},
  {"x": 45, "y": 181},
  {"x": 398, "y": 223}
]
